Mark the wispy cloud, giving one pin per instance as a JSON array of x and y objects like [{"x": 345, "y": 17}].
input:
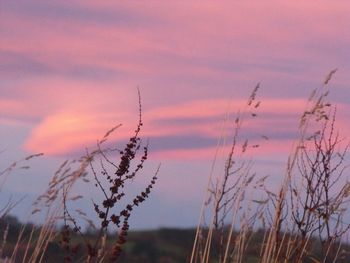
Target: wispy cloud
[
  {"x": 191, "y": 126},
  {"x": 73, "y": 69}
]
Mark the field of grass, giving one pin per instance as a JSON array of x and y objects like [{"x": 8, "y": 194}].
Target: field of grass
[
  {"x": 151, "y": 246},
  {"x": 301, "y": 222}
]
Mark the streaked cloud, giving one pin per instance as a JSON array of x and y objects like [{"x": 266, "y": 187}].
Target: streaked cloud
[{"x": 191, "y": 126}]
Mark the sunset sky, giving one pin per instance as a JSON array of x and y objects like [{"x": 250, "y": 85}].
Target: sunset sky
[{"x": 70, "y": 70}]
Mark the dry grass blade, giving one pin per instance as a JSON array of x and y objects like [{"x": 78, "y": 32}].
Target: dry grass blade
[
  {"x": 105, "y": 137},
  {"x": 329, "y": 76}
]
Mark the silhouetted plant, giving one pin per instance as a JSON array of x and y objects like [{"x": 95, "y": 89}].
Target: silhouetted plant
[
  {"x": 226, "y": 194},
  {"x": 112, "y": 186},
  {"x": 318, "y": 205}
]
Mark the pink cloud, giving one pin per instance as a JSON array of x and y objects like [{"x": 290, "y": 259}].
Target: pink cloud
[
  {"x": 63, "y": 133},
  {"x": 11, "y": 108},
  {"x": 149, "y": 49},
  {"x": 73, "y": 128},
  {"x": 207, "y": 42},
  {"x": 265, "y": 151}
]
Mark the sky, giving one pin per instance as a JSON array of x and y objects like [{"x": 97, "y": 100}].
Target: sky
[{"x": 71, "y": 70}]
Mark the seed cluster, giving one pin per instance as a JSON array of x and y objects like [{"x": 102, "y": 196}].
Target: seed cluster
[{"x": 114, "y": 191}]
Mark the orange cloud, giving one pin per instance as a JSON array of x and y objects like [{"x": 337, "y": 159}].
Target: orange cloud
[{"x": 63, "y": 133}]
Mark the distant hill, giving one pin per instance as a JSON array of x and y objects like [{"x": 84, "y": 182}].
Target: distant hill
[{"x": 165, "y": 245}]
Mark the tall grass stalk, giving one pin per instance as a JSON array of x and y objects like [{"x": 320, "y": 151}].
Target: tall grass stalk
[{"x": 286, "y": 239}]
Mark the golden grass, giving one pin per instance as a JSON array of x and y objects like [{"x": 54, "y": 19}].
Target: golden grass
[{"x": 287, "y": 237}]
